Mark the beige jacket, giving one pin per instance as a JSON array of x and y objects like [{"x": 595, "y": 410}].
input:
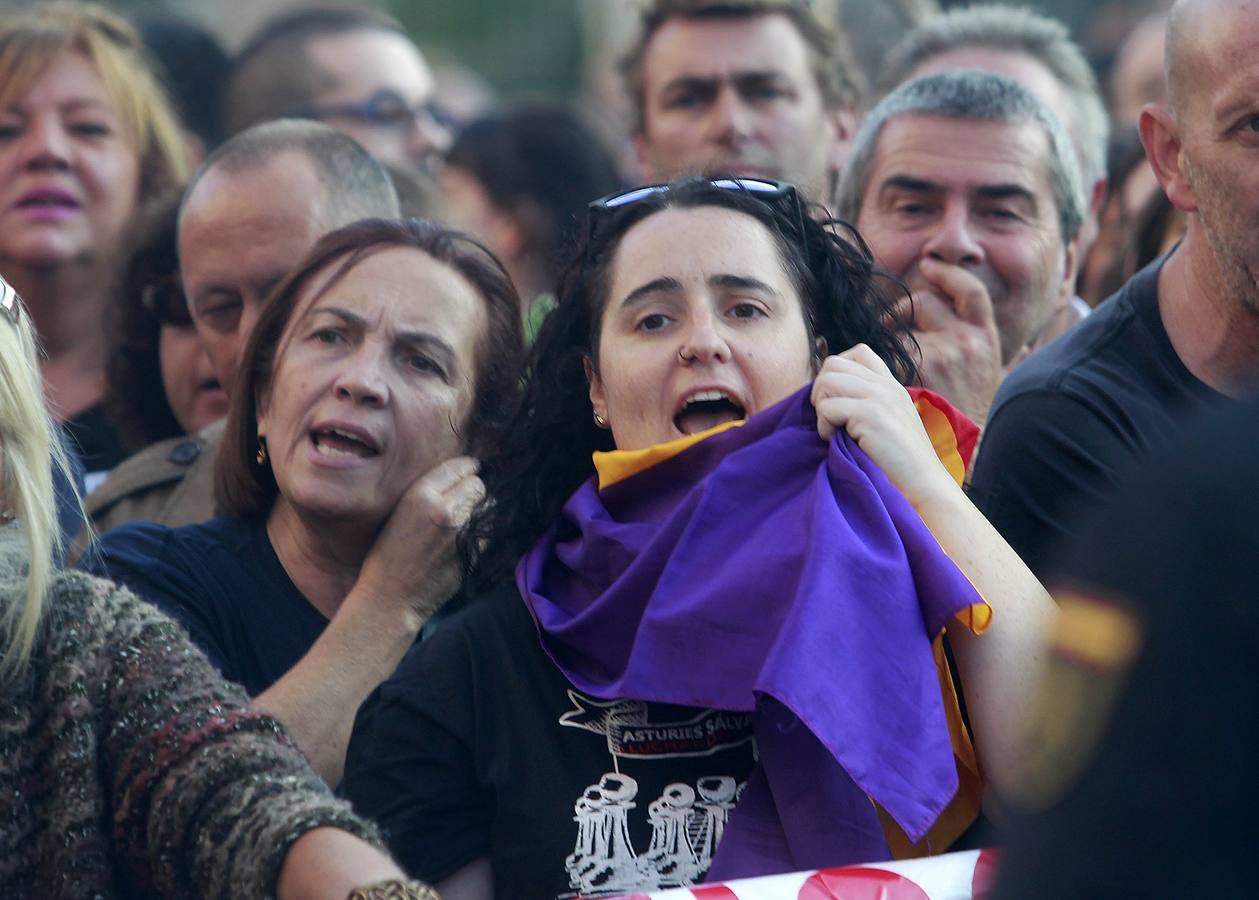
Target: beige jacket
[{"x": 170, "y": 482}]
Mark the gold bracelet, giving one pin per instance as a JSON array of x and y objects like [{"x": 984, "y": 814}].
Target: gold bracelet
[{"x": 395, "y": 889}]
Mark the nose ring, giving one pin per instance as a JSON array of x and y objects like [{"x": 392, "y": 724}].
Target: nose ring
[{"x": 683, "y": 357}]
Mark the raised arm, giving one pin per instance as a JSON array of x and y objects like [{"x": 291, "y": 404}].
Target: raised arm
[
  {"x": 410, "y": 572},
  {"x": 855, "y": 391}
]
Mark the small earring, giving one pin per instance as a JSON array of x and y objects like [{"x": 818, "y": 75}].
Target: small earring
[
  {"x": 261, "y": 455},
  {"x": 601, "y": 421},
  {"x": 7, "y": 516}
]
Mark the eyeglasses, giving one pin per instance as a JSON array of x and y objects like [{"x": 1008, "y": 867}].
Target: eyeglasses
[
  {"x": 779, "y": 195},
  {"x": 10, "y": 302},
  {"x": 386, "y": 108},
  {"x": 165, "y": 300}
]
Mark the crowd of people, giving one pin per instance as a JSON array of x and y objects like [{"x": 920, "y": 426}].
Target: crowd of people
[{"x": 399, "y": 499}]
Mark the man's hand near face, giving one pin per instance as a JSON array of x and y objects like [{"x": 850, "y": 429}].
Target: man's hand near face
[{"x": 952, "y": 319}]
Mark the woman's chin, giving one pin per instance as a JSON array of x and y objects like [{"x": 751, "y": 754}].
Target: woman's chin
[{"x": 338, "y": 508}]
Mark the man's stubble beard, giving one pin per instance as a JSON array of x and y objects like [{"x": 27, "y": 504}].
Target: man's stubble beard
[{"x": 1226, "y": 230}]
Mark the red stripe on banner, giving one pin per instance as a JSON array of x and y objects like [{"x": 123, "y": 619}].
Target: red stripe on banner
[
  {"x": 713, "y": 892},
  {"x": 985, "y": 875},
  {"x": 856, "y": 883}
]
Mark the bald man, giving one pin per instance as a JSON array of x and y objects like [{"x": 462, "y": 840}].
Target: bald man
[
  {"x": 249, "y": 215},
  {"x": 1181, "y": 334}
]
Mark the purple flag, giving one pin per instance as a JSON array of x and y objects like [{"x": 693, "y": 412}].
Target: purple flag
[{"x": 764, "y": 569}]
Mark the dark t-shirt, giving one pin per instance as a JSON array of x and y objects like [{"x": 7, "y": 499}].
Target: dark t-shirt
[
  {"x": 1164, "y": 804},
  {"x": 96, "y": 439},
  {"x": 1066, "y": 424},
  {"x": 479, "y": 747},
  {"x": 222, "y": 580}
]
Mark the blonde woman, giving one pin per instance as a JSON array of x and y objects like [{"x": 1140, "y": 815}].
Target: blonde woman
[
  {"x": 86, "y": 136},
  {"x": 127, "y": 765}
]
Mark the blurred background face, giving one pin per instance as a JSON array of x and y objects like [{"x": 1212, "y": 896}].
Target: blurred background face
[
  {"x": 68, "y": 175},
  {"x": 373, "y": 385},
  {"x": 192, "y": 388},
  {"x": 239, "y": 234},
  {"x": 385, "y": 71},
  {"x": 734, "y": 97}
]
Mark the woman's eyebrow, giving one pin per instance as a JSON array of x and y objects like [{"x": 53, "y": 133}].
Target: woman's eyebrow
[
  {"x": 345, "y": 315},
  {"x": 655, "y": 286},
  {"x": 740, "y": 282}
]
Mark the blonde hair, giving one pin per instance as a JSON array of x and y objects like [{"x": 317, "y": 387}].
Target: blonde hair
[
  {"x": 31, "y": 39},
  {"x": 28, "y": 442}
]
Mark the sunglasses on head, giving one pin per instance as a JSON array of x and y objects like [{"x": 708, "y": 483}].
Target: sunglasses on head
[{"x": 779, "y": 195}]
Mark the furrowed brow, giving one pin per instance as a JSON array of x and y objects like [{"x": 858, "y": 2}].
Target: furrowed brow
[{"x": 345, "y": 315}]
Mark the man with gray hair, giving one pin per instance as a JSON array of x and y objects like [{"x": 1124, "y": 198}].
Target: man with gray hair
[
  {"x": 1027, "y": 47},
  {"x": 259, "y": 202},
  {"x": 1182, "y": 334},
  {"x": 966, "y": 188}
]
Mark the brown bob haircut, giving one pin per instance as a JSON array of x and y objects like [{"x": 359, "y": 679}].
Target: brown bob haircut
[
  {"x": 244, "y": 487},
  {"x": 839, "y": 79},
  {"x": 30, "y": 40}
]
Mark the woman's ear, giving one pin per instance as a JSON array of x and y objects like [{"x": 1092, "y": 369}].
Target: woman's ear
[
  {"x": 598, "y": 397},
  {"x": 820, "y": 351},
  {"x": 262, "y": 402}
]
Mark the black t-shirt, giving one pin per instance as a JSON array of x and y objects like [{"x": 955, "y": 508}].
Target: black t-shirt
[
  {"x": 222, "y": 580},
  {"x": 1066, "y": 423},
  {"x": 1164, "y": 804},
  {"x": 479, "y": 747}
]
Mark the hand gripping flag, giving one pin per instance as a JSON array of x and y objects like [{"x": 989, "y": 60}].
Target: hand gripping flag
[{"x": 759, "y": 568}]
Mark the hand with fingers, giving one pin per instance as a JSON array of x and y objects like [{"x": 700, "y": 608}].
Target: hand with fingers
[
  {"x": 413, "y": 560},
  {"x": 956, "y": 331},
  {"x": 856, "y": 391}
]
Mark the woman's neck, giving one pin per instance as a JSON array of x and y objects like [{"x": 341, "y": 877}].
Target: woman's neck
[
  {"x": 67, "y": 306},
  {"x": 322, "y": 557}
]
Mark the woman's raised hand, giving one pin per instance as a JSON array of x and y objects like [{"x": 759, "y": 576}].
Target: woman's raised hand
[
  {"x": 856, "y": 391},
  {"x": 414, "y": 558}
]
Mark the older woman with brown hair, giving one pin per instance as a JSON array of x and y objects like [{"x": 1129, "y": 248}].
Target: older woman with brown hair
[
  {"x": 376, "y": 373},
  {"x": 128, "y": 766},
  {"x": 85, "y": 135}
]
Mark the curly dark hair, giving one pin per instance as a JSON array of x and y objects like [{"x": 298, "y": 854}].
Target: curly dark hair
[
  {"x": 134, "y": 393},
  {"x": 545, "y": 453}
]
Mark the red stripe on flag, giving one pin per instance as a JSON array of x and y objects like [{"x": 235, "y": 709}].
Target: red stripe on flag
[{"x": 965, "y": 432}]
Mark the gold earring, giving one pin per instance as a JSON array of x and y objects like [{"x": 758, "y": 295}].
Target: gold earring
[
  {"x": 601, "y": 421},
  {"x": 261, "y": 455}
]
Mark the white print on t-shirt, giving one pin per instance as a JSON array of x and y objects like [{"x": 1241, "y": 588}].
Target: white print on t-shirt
[
  {"x": 687, "y": 822},
  {"x": 629, "y": 733}
]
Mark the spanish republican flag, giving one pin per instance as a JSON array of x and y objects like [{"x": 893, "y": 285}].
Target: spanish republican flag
[{"x": 758, "y": 568}]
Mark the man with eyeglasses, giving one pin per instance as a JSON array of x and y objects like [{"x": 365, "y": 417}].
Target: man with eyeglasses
[
  {"x": 348, "y": 66},
  {"x": 753, "y": 88}
]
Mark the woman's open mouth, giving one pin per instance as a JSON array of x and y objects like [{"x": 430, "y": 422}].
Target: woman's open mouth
[
  {"x": 707, "y": 409},
  {"x": 339, "y": 443}
]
